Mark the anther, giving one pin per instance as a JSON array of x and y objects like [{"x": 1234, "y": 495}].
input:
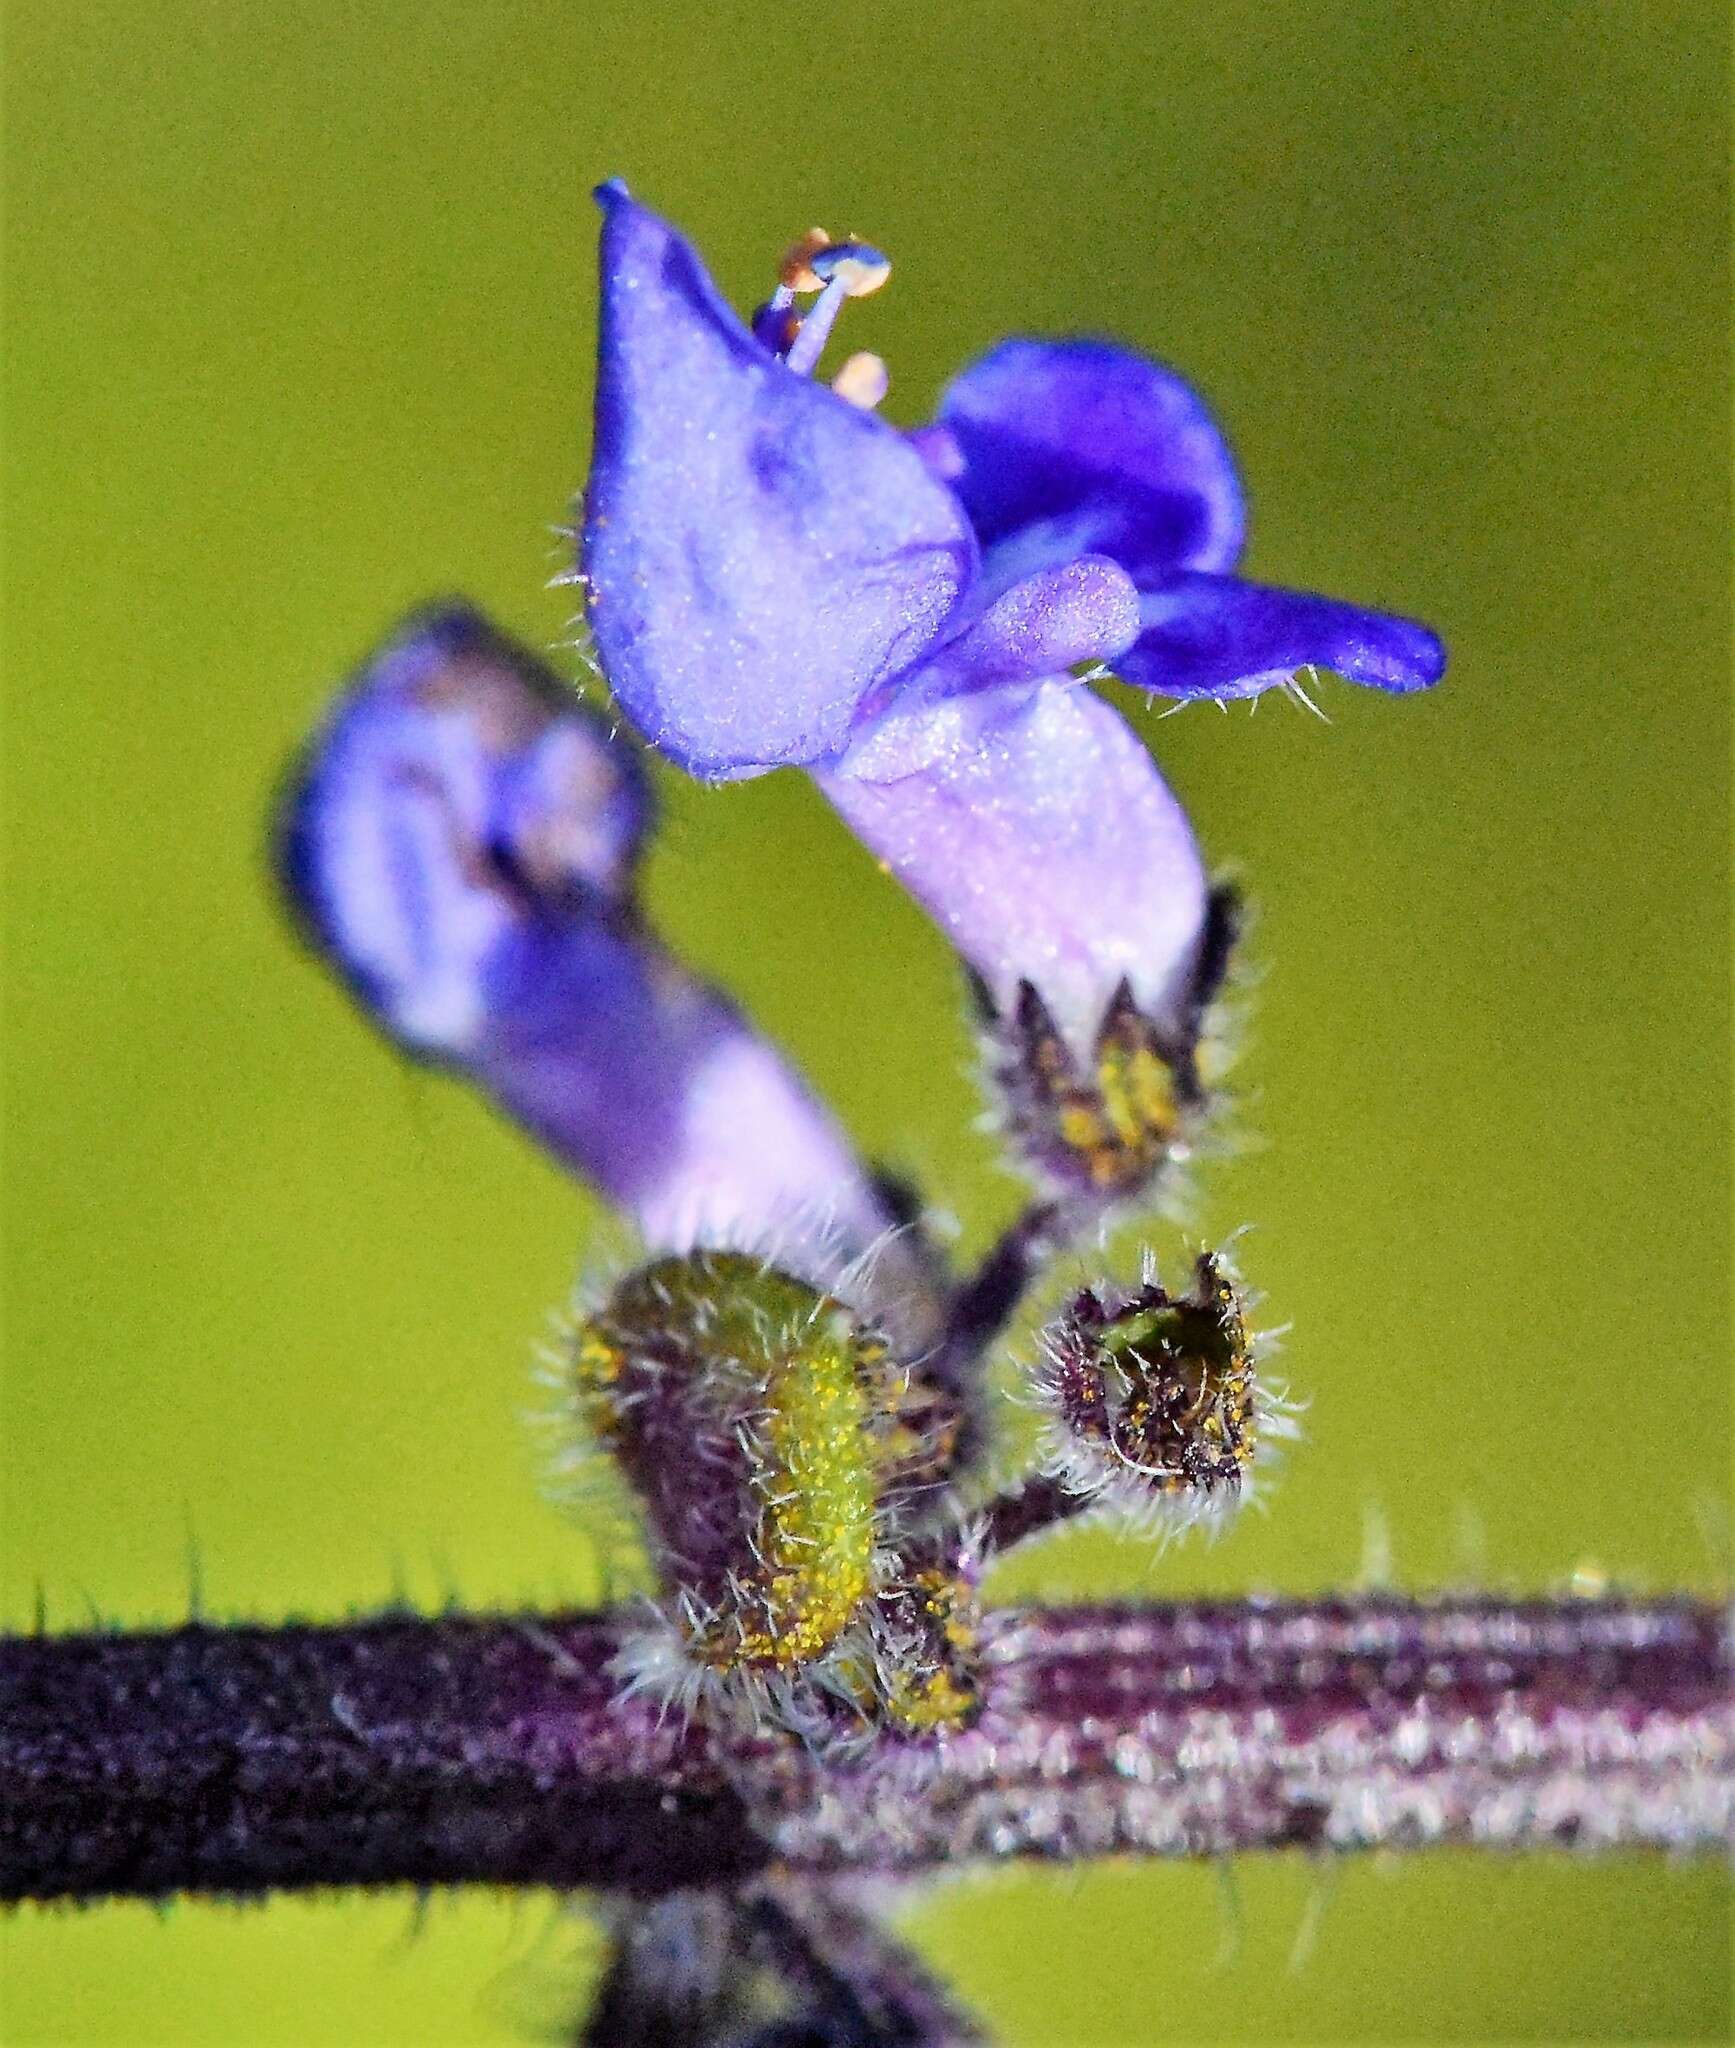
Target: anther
[
  {"x": 857, "y": 266},
  {"x": 863, "y": 380},
  {"x": 795, "y": 272},
  {"x": 777, "y": 322},
  {"x": 837, "y": 271}
]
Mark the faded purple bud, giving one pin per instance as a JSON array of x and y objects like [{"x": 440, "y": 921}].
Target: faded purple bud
[{"x": 459, "y": 844}]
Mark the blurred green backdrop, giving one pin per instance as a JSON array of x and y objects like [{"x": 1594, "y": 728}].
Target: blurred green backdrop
[{"x": 299, "y": 320}]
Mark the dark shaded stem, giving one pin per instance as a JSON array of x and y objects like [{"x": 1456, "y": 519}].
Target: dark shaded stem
[
  {"x": 372, "y": 1752},
  {"x": 460, "y": 1750},
  {"x": 984, "y": 1303},
  {"x": 783, "y": 1962},
  {"x": 1029, "y": 1509},
  {"x": 856, "y": 1985},
  {"x": 677, "y": 1977}
]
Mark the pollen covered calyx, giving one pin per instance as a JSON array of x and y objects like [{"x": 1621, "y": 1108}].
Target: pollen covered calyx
[
  {"x": 1106, "y": 1125},
  {"x": 779, "y": 1453}
]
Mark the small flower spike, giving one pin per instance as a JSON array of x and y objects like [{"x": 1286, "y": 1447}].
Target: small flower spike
[
  {"x": 459, "y": 845},
  {"x": 775, "y": 575}
]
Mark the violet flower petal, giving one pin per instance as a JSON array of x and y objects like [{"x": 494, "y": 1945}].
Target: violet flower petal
[
  {"x": 1068, "y": 447},
  {"x": 1034, "y": 826},
  {"x": 760, "y": 554},
  {"x": 651, "y": 1085},
  {"x": 1217, "y": 636},
  {"x": 1078, "y": 611}
]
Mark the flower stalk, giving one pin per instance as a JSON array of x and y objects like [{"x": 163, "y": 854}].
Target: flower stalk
[{"x": 497, "y": 1750}]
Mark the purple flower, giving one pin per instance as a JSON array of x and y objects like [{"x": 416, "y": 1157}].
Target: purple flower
[
  {"x": 776, "y": 576},
  {"x": 459, "y": 843}
]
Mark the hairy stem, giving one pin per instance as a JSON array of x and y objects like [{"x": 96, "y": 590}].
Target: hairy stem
[
  {"x": 987, "y": 1301},
  {"x": 678, "y": 1975},
  {"x": 494, "y": 1750},
  {"x": 1031, "y": 1508}
]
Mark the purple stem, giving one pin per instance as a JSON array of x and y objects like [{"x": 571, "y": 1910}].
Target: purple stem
[
  {"x": 782, "y": 1962},
  {"x": 470, "y": 1750},
  {"x": 1031, "y": 1508},
  {"x": 859, "y": 1983}
]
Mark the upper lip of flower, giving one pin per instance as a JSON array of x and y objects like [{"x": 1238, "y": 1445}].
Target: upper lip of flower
[{"x": 770, "y": 566}]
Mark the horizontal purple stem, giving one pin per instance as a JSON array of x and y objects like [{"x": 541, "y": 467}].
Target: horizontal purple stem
[{"x": 493, "y": 1750}]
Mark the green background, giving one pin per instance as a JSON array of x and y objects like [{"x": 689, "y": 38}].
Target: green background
[{"x": 299, "y": 321}]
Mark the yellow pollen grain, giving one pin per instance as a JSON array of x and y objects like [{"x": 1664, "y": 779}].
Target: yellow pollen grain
[
  {"x": 1138, "y": 1095},
  {"x": 1080, "y": 1129},
  {"x": 938, "y": 1698},
  {"x": 938, "y": 1701},
  {"x": 596, "y": 1369}
]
